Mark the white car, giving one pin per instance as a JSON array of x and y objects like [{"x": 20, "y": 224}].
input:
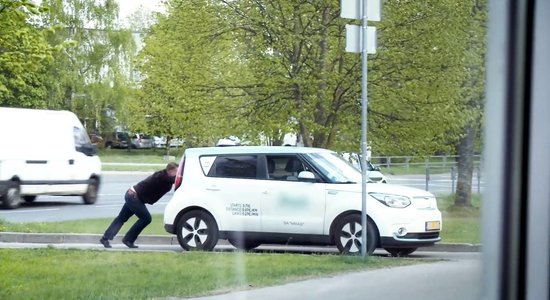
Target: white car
[{"x": 292, "y": 195}]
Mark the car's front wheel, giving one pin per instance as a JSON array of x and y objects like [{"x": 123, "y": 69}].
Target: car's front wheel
[
  {"x": 347, "y": 235},
  {"x": 398, "y": 252},
  {"x": 197, "y": 230}
]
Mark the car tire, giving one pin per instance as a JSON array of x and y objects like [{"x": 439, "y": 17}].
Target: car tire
[
  {"x": 243, "y": 244},
  {"x": 12, "y": 199},
  {"x": 30, "y": 198},
  {"x": 197, "y": 230},
  {"x": 347, "y": 235},
  {"x": 399, "y": 252},
  {"x": 90, "y": 197}
]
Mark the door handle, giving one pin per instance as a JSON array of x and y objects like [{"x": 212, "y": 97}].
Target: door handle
[
  {"x": 331, "y": 192},
  {"x": 213, "y": 189}
]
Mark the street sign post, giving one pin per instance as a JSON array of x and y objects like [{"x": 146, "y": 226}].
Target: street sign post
[{"x": 362, "y": 39}]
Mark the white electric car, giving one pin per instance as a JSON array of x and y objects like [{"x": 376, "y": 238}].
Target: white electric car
[{"x": 292, "y": 195}]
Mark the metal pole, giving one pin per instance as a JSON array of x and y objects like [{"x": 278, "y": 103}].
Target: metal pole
[
  {"x": 453, "y": 178},
  {"x": 426, "y": 166},
  {"x": 364, "y": 104}
]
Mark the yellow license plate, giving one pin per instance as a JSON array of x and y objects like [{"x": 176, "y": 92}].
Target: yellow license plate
[{"x": 433, "y": 225}]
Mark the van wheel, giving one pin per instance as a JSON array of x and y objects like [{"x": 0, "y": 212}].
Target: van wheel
[
  {"x": 91, "y": 193},
  {"x": 244, "y": 244},
  {"x": 347, "y": 235},
  {"x": 197, "y": 230},
  {"x": 12, "y": 198},
  {"x": 29, "y": 199},
  {"x": 399, "y": 252}
]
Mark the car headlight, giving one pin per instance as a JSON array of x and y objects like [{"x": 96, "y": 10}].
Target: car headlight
[{"x": 395, "y": 201}]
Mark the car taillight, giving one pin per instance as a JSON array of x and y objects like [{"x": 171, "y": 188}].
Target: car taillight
[{"x": 179, "y": 175}]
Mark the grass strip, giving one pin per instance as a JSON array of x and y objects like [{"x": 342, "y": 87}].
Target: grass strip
[{"x": 92, "y": 274}]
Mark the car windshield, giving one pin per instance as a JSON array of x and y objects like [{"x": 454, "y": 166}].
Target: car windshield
[{"x": 335, "y": 168}]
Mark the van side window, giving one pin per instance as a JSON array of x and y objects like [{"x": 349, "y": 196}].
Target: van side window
[
  {"x": 234, "y": 166},
  {"x": 81, "y": 141}
]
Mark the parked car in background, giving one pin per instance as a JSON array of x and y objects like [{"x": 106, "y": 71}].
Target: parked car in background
[
  {"x": 117, "y": 139},
  {"x": 176, "y": 142},
  {"x": 97, "y": 140},
  {"x": 253, "y": 195},
  {"x": 160, "y": 142},
  {"x": 141, "y": 141}
]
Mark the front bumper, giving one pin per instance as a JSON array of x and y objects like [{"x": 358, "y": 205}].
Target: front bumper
[{"x": 411, "y": 239}]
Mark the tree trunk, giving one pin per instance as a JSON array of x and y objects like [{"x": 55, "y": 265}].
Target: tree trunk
[{"x": 463, "y": 195}]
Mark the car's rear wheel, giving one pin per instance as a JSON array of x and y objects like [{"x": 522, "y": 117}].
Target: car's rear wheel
[
  {"x": 347, "y": 235},
  {"x": 90, "y": 197},
  {"x": 398, "y": 252},
  {"x": 243, "y": 244},
  {"x": 29, "y": 198},
  {"x": 12, "y": 198},
  {"x": 197, "y": 230}
]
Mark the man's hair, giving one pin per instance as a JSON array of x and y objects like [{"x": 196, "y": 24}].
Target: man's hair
[{"x": 171, "y": 166}]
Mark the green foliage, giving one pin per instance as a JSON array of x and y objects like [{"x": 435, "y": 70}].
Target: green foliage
[
  {"x": 91, "y": 75},
  {"x": 279, "y": 67},
  {"x": 24, "y": 55}
]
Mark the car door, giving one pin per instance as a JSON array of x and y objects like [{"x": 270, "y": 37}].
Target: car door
[
  {"x": 291, "y": 205},
  {"x": 238, "y": 189}
]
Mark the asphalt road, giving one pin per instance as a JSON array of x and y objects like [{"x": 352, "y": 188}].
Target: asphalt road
[
  {"x": 114, "y": 185},
  {"x": 61, "y": 208}
]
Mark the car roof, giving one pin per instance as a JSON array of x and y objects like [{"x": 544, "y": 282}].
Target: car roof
[{"x": 253, "y": 150}]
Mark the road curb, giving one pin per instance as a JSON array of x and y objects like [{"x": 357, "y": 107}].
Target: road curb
[{"x": 76, "y": 238}]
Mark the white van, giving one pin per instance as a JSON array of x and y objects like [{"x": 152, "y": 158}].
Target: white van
[{"x": 45, "y": 152}]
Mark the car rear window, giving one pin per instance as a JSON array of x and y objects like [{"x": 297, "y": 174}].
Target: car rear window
[{"x": 234, "y": 166}]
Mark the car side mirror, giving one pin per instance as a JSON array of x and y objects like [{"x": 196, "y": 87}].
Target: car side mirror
[{"x": 307, "y": 176}]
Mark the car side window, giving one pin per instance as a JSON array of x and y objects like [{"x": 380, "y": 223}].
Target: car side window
[
  {"x": 284, "y": 167},
  {"x": 234, "y": 166}
]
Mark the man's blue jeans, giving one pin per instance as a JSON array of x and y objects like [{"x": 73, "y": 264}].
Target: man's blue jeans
[{"x": 132, "y": 206}]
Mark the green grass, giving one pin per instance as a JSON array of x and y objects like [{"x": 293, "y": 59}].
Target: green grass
[
  {"x": 460, "y": 224},
  {"x": 76, "y": 274}
]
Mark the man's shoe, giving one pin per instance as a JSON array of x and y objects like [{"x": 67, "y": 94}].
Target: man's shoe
[
  {"x": 105, "y": 242},
  {"x": 128, "y": 244}
]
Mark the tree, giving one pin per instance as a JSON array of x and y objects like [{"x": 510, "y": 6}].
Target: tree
[
  {"x": 91, "y": 76},
  {"x": 279, "y": 66},
  {"x": 24, "y": 55},
  {"x": 473, "y": 89},
  {"x": 181, "y": 62}
]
